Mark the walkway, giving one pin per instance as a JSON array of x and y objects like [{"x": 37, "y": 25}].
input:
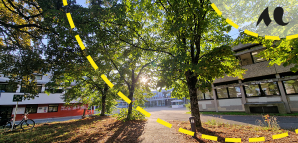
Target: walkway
[{"x": 157, "y": 133}]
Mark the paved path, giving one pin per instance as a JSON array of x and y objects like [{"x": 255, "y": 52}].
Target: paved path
[{"x": 155, "y": 132}]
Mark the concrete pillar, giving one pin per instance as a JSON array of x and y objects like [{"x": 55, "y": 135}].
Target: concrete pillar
[
  {"x": 214, "y": 98},
  {"x": 43, "y": 88},
  {"x": 243, "y": 99},
  {"x": 283, "y": 94},
  {"x": 19, "y": 88}
]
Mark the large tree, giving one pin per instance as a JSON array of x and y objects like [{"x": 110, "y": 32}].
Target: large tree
[{"x": 194, "y": 41}]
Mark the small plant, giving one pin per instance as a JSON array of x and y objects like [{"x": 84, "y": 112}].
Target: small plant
[
  {"x": 187, "y": 106},
  {"x": 269, "y": 122}
]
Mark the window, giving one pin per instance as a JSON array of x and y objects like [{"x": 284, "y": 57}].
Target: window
[
  {"x": 252, "y": 90},
  {"x": 38, "y": 77},
  {"x": 222, "y": 93},
  {"x": 31, "y": 109},
  {"x": 257, "y": 59},
  {"x": 262, "y": 89},
  {"x": 234, "y": 92},
  {"x": 7, "y": 88},
  {"x": 246, "y": 59},
  {"x": 53, "y": 108},
  {"x": 55, "y": 90},
  {"x": 29, "y": 88},
  {"x": 291, "y": 86},
  {"x": 270, "y": 88},
  {"x": 204, "y": 96}
]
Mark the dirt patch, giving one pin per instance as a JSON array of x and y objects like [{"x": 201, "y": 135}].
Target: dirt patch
[
  {"x": 94, "y": 129},
  {"x": 223, "y": 131}
]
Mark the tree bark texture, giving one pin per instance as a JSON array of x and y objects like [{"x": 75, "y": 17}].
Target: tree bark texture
[{"x": 194, "y": 105}]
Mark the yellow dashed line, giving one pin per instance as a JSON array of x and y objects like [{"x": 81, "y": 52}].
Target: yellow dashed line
[
  {"x": 70, "y": 20},
  {"x": 232, "y": 23},
  {"x": 232, "y": 139},
  {"x": 164, "y": 123},
  {"x": 280, "y": 136},
  {"x": 292, "y": 37},
  {"x": 92, "y": 62},
  {"x": 214, "y": 138},
  {"x": 216, "y": 9},
  {"x": 143, "y": 111},
  {"x": 80, "y": 42},
  {"x": 127, "y": 100},
  {"x": 64, "y": 2},
  {"x": 186, "y": 131},
  {"x": 260, "y": 139},
  {"x": 107, "y": 80},
  {"x": 272, "y": 38},
  {"x": 251, "y": 33}
]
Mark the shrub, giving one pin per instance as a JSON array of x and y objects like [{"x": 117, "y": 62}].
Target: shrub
[
  {"x": 135, "y": 115},
  {"x": 270, "y": 122},
  {"x": 187, "y": 106}
]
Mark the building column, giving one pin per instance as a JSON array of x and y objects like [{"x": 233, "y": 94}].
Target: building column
[
  {"x": 243, "y": 98},
  {"x": 43, "y": 88},
  {"x": 283, "y": 94},
  {"x": 19, "y": 88},
  {"x": 214, "y": 98}
]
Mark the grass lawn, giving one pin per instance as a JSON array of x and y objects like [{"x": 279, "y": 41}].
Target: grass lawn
[
  {"x": 93, "y": 129},
  {"x": 223, "y": 131},
  {"x": 242, "y": 113}
]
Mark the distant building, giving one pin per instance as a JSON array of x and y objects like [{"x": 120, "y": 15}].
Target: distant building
[
  {"x": 264, "y": 89},
  {"x": 162, "y": 98}
]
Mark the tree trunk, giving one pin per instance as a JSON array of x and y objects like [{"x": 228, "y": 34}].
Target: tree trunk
[
  {"x": 130, "y": 105},
  {"x": 194, "y": 105},
  {"x": 103, "y": 105},
  {"x": 103, "y": 100},
  {"x": 84, "y": 112}
]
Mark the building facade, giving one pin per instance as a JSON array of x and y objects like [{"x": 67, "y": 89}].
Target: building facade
[
  {"x": 44, "y": 106},
  {"x": 264, "y": 89}
]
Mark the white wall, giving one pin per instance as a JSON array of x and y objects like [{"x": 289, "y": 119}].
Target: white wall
[{"x": 6, "y": 99}]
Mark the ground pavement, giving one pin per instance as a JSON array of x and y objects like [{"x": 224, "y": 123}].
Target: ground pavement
[{"x": 157, "y": 133}]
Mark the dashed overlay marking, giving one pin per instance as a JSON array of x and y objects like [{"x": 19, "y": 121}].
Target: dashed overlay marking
[
  {"x": 232, "y": 139},
  {"x": 164, "y": 123},
  {"x": 214, "y": 138},
  {"x": 260, "y": 139},
  {"x": 278, "y": 136},
  {"x": 107, "y": 81},
  {"x": 290, "y": 37},
  {"x": 70, "y": 20},
  {"x": 80, "y": 42},
  {"x": 186, "y": 131},
  {"x": 143, "y": 111}
]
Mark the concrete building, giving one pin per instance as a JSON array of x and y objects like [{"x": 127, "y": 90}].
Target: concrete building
[
  {"x": 44, "y": 106},
  {"x": 264, "y": 89}
]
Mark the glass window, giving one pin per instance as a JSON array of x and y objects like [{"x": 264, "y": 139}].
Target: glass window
[
  {"x": 53, "y": 108},
  {"x": 255, "y": 58},
  {"x": 234, "y": 92},
  {"x": 31, "y": 109},
  {"x": 222, "y": 93},
  {"x": 291, "y": 86},
  {"x": 7, "y": 88},
  {"x": 270, "y": 88},
  {"x": 246, "y": 59},
  {"x": 38, "y": 77},
  {"x": 200, "y": 96},
  {"x": 252, "y": 90},
  {"x": 23, "y": 89},
  {"x": 208, "y": 95}
]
